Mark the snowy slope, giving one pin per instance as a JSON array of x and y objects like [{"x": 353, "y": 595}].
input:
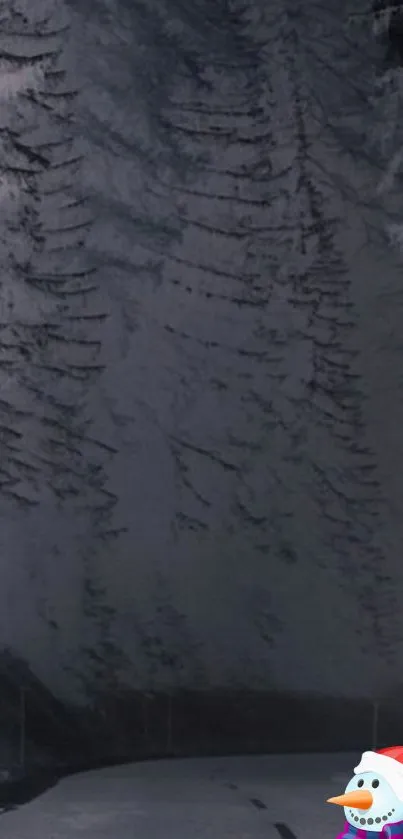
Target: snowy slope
[
  {"x": 247, "y": 366},
  {"x": 192, "y": 798}
]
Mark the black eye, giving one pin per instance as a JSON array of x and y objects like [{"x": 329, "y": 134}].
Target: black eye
[
  {"x": 360, "y": 783},
  {"x": 375, "y": 783}
]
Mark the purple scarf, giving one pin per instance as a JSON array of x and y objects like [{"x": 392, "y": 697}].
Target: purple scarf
[{"x": 389, "y": 831}]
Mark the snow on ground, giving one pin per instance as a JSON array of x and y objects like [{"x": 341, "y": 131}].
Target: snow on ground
[{"x": 209, "y": 798}]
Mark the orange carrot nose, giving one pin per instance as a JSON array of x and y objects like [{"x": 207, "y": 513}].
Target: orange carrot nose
[{"x": 360, "y": 799}]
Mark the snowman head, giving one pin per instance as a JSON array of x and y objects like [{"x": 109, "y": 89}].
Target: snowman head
[
  {"x": 378, "y": 807},
  {"x": 374, "y": 796}
]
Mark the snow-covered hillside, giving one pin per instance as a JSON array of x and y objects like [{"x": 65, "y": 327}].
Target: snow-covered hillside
[{"x": 231, "y": 516}]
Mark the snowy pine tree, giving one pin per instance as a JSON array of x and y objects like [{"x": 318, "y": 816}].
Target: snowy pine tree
[
  {"x": 232, "y": 172},
  {"x": 221, "y": 184},
  {"x": 51, "y": 319}
]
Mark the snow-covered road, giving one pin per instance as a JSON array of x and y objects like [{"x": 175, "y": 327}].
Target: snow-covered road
[{"x": 217, "y": 798}]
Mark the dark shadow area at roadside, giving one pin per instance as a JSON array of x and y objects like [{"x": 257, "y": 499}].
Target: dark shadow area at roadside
[{"x": 47, "y": 739}]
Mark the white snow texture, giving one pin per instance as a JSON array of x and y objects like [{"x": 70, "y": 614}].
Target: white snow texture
[
  {"x": 223, "y": 479},
  {"x": 193, "y": 798}
]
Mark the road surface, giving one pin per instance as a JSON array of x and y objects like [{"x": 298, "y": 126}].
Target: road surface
[{"x": 261, "y": 797}]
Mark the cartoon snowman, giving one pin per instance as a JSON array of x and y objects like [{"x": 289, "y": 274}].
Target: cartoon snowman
[{"x": 373, "y": 800}]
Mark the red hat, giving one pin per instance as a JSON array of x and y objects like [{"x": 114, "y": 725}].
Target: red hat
[{"x": 388, "y": 763}]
